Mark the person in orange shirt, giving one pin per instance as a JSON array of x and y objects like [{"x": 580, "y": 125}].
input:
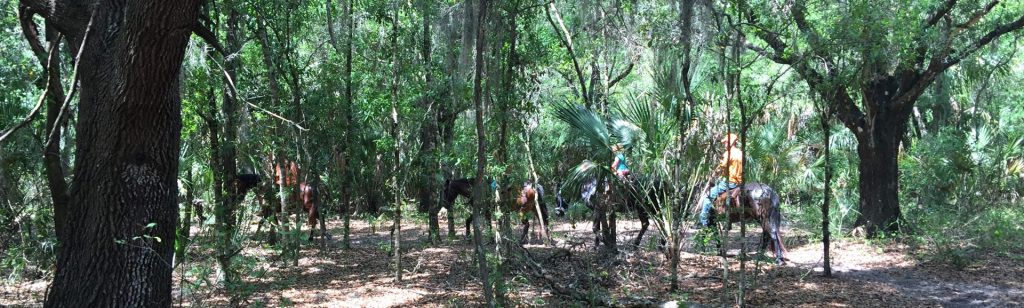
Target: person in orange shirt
[{"x": 731, "y": 167}]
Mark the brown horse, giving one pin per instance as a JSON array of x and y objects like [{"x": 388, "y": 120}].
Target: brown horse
[
  {"x": 306, "y": 194},
  {"x": 757, "y": 202},
  {"x": 525, "y": 200}
]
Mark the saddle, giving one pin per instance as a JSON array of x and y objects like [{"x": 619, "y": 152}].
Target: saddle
[{"x": 735, "y": 194}]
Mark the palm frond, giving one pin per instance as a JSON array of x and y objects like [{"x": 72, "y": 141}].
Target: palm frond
[
  {"x": 651, "y": 129},
  {"x": 629, "y": 135},
  {"x": 587, "y": 123},
  {"x": 585, "y": 172}
]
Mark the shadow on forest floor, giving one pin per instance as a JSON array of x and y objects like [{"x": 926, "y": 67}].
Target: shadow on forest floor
[{"x": 444, "y": 275}]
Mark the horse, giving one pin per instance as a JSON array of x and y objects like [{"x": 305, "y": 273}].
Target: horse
[
  {"x": 452, "y": 190},
  {"x": 757, "y": 202},
  {"x": 524, "y": 200},
  {"x": 634, "y": 195},
  {"x": 464, "y": 187},
  {"x": 302, "y": 193}
]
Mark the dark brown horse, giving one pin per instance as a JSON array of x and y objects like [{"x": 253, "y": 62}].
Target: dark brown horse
[
  {"x": 452, "y": 190},
  {"x": 757, "y": 202},
  {"x": 635, "y": 195},
  {"x": 464, "y": 187}
]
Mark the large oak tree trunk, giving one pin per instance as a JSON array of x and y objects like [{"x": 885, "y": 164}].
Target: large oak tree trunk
[
  {"x": 123, "y": 209},
  {"x": 878, "y": 149}
]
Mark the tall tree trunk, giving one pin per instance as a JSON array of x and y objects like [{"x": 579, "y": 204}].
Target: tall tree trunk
[
  {"x": 878, "y": 149},
  {"x": 396, "y": 134},
  {"x": 448, "y": 111},
  {"x": 428, "y": 133},
  {"x": 737, "y": 96},
  {"x": 479, "y": 200},
  {"x": 674, "y": 240},
  {"x": 186, "y": 209},
  {"x": 226, "y": 208},
  {"x": 223, "y": 237},
  {"x": 124, "y": 194},
  {"x": 349, "y": 123},
  {"x": 826, "y": 235}
]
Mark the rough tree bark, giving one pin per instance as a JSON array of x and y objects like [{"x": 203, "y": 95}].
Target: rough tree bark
[
  {"x": 427, "y": 159},
  {"x": 341, "y": 156},
  {"x": 479, "y": 200},
  {"x": 225, "y": 152},
  {"x": 825, "y": 234},
  {"x": 675, "y": 238},
  {"x": 396, "y": 134},
  {"x": 122, "y": 211}
]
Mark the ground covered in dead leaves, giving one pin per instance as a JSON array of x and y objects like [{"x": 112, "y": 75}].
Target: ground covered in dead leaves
[{"x": 865, "y": 275}]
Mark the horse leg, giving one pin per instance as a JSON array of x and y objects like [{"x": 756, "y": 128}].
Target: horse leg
[
  {"x": 526, "y": 230},
  {"x": 259, "y": 225},
  {"x": 324, "y": 236},
  {"x": 451, "y": 215},
  {"x": 451, "y": 222},
  {"x": 765, "y": 238},
  {"x": 598, "y": 217},
  {"x": 777, "y": 247},
  {"x": 772, "y": 228},
  {"x": 273, "y": 224},
  {"x": 323, "y": 227},
  {"x": 644, "y": 222},
  {"x": 544, "y": 219}
]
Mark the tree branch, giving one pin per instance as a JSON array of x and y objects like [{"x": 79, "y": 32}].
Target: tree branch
[
  {"x": 41, "y": 7},
  {"x": 767, "y": 96},
  {"x": 939, "y": 13},
  {"x": 52, "y": 135},
  {"x": 629, "y": 69},
  {"x": 773, "y": 39},
  {"x": 203, "y": 32},
  {"x": 920, "y": 81},
  {"x": 984, "y": 40},
  {"x": 39, "y": 104},
  {"x": 31, "y": 32},
  {"x": 977, "y": 16},
  {"x": 813, "y": 38},
  {"x": 775, "y": 57},
  {"x": 566, "y": 40},
  {"x": 843, "y": 105}
]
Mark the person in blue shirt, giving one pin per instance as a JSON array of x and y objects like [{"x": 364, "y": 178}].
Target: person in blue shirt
[{"x": 620, "y": 166}]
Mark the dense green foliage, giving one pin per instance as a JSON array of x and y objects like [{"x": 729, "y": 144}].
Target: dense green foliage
[{"x": 961, "y": 160}]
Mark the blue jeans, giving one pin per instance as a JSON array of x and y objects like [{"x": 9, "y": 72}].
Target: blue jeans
[{"x": 705, "y": 209}]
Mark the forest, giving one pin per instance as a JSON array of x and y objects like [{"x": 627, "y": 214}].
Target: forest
[{"x": 553, "y": 153}]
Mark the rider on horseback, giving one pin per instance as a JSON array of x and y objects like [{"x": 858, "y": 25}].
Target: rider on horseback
[
  {"x": 619, "y": 165},
  {"x": 731, "y": 167}
]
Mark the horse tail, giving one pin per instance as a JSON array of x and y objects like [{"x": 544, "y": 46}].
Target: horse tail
[
  {"x": 540, "y": 201},
  {"x": 775, "y": 223}
]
